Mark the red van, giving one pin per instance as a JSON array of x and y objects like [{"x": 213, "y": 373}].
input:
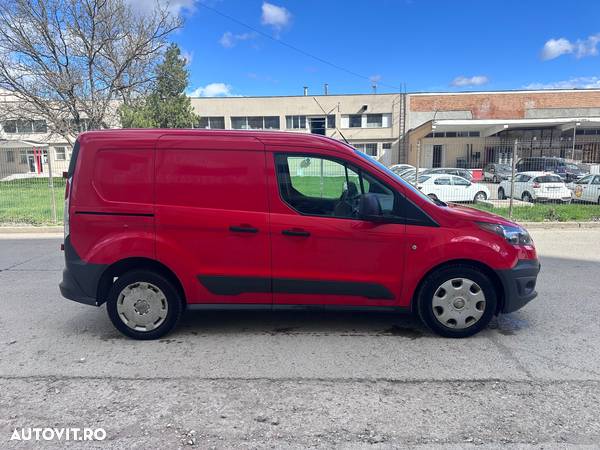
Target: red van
[{"x": 160, "y": 221}]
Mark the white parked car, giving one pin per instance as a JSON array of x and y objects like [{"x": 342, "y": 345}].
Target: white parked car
[
  {"x": 586, "y": 189},
  {"x": 452, "y": 188},
  {"x": 536, "y": 186},
  {"x": 398, "y": 168}
]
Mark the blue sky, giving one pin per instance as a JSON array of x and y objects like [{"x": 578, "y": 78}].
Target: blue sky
[{"x": 426, "y": 45}]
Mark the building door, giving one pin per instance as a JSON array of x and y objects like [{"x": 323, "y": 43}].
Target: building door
[
  {"x": 437, "y": 156},
  {"x": 317, "y": 125},
  {"x": 31, "y": 163}
]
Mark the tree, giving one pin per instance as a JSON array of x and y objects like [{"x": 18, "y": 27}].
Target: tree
[
  {"x": 71, "y": 62},
  {"x": 167, "y": 106}
]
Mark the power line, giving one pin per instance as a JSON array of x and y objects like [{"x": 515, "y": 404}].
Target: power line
[{"x": 293, "y": 47}]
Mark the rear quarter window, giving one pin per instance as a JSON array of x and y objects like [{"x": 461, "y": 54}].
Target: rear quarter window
[{"x": 124, "y": 175}]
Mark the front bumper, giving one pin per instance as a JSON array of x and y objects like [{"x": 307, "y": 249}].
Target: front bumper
[{"x": 519, "y": 284}]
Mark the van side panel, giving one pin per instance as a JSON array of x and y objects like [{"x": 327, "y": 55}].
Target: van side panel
[
  {"x": 111, "y": 208},
  {"x": 212, "y": 222}
]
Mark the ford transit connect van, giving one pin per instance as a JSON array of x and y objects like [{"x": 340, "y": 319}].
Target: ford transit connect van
[{"x": 160, "y": 221}]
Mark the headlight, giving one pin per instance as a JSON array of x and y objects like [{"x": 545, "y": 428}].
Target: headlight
[{"x": 513, "y": 235}]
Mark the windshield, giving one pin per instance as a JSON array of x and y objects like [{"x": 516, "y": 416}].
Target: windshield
[
  {"x": 389, "y": 172},
  {"x": 573, "y": 166}
]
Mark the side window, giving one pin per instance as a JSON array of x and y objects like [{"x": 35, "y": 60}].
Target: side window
[
  {"x": 586, "y": 180},
  {"x": 458, "y": 181},
  {"x": 317, "y": 177},
  {"x": 596, "y": 180},
  {"x": 442, "y": 181},
  {"x": 324, "y": 187}
]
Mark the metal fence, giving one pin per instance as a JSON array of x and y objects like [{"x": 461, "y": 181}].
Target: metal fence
[
  {"x": 480, "y": 171},
  {"x": 488, "y": 170},
  {"x": 31, "y": 185}
]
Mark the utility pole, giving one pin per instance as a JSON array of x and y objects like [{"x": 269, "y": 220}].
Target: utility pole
[{"x": 574, "y": 134}]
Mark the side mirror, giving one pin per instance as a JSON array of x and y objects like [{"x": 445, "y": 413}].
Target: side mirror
[{"x": 369, "y": 208}]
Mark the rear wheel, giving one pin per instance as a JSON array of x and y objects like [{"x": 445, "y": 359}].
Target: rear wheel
[
  {"x": 526, "y": 197},
  {"x": 144, "y": 305},
  {"x": 480, "y": 196},
  {"x": 501, "y": 194},
  {"x": 457, "y": 301}
]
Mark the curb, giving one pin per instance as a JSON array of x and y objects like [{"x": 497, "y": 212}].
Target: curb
[
  {"x": 30, "y": 229},
  {"x": 560, "y": 225}
]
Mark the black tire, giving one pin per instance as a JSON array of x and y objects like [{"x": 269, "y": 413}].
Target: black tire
[
  {"x": 431, "y": 285},
  {"x": 526, "y": 197},
  {"x": 501, "y": 194},
  {"x": 480, "y": 193},
  {"x": 173, "y": 300}
]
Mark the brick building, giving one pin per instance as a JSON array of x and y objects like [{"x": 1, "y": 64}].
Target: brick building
[{"x": 474, "y": 128}]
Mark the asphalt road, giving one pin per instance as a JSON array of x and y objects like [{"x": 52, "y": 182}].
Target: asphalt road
[{"x": 290, "y": 380}]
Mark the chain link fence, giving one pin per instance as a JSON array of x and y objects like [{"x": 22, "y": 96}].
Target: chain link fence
[
  {"x": 31, "y": 185},
  {"x": 503, "y": 174}
]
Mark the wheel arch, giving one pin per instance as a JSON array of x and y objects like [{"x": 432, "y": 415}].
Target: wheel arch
[
  {"x": 122, "y": 266},
  {"x": 487, "y": 270}
]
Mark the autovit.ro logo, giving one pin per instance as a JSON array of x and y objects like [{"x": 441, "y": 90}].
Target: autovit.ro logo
[{"x": 58, "y": 434}]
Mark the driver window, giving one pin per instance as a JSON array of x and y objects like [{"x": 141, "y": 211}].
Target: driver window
[{"x": 325, "y": 187}]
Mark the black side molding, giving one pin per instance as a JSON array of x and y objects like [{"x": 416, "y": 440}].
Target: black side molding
[{"x": 227, "y": 285}]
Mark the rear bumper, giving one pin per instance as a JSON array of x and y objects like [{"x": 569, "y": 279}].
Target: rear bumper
[
  {"x": 80, "y": 279},
  {"x": 519, "y": 284}
]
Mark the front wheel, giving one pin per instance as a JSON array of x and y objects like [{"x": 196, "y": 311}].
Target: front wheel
[
  {"x": 457, "y": 301},
  {"x": 144, "y": 305}
]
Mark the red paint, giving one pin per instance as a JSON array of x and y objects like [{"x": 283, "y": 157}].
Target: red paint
[{"x": 178, "y": 192}]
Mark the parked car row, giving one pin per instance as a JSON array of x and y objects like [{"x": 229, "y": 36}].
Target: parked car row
[
  {"x": 567, "y": 171},
  {"x": 535, "y": 187}
]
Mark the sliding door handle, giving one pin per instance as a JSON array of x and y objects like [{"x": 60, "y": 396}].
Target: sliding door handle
[
  {"x": 243, "y": 229},
  {"x": 296, "y": 232}
]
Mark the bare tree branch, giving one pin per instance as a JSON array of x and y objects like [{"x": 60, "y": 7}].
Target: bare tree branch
[{"x": 71, "y": 61}]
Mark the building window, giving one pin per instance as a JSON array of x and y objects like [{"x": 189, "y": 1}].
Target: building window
[
  {"x": 10, "y": 156},
  {"x": 453, "y": 134},
  {"x": 271, "y": 123},
  {"x": 374, "y": 120},
  {"x": 60, "y": 153},
  {"x": 331, "y": 121},
  {"x": 212, "y": 123},
  {"x": 295, "y": 122},
  {"x": 369, "y": 149},
  {"x": 355, "y": 121},
  {"x": 386, "y": 146},
  {"x": 25, "y": 126},
  {"x": 40, "y": 126},
  {"x": 84, "y": 125},
  {"x": 255, "y": 123}
]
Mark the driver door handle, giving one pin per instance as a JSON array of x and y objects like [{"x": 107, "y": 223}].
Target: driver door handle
[{"x": 296, "y": 232}]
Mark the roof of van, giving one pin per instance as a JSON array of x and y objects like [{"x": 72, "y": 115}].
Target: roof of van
[{"x": 268, "y": 137}]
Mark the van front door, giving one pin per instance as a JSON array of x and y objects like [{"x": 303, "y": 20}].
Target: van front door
[{"x": 322, "y": 253}]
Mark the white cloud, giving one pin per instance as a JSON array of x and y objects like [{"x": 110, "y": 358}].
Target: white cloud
[
  {"x": 572, "y": 83},
  {"x": 175, "y": 6},
  {"x": 230, "y": 39},
  {"x": 476, "y": 80},
  {"x": 553, "y": 48},
  {"x": 275, "y": 16},
  {"x": 212, "y": 90}
]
